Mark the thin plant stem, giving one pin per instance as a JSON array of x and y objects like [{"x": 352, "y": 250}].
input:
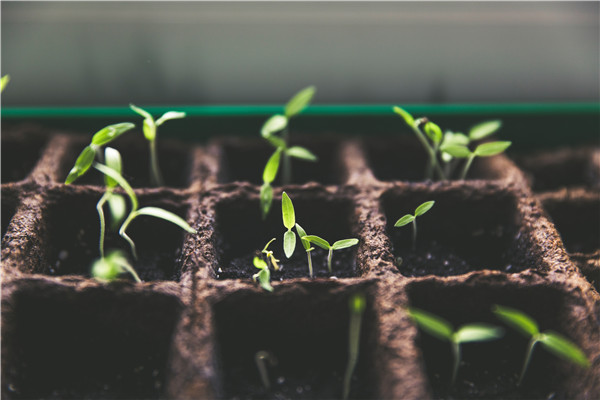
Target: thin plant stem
[
  {"x": 432, "y": 157},
  {"x": 467, "y": 166},
  {"x": 129, "y": 269},
  {"x": 532, "y": 343},
  {"x": 353, "y": 344},
  {"x": 310, "y": 268},
  {"x": 286, "y": 174},
  {"x": 414, "y": 243},
  {"x": 124, "y": 235},
  {"x": 456, "y": 354},
  {"x": 99, "y": 208},
  {"x": 329, "y": 257},
  {"x": 155, "y": 177},
  {"x": 260, "y": 359}
]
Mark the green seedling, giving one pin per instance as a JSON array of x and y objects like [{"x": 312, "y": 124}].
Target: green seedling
[
  {"x": 324, "y": 244},
  {"x": 443, "y": 330},
  {"x": 552, "y": 341},
  {"x": 264, "y": 275},
  {"x": 483, "y": 150},
  {"x": 357, "y": 306},
  {"x": 3, "y": 82},
  {"x": 289, "y": 221},
  {"x": 261, "y": 358},
  {"x": 150, "y": 127},
  {"x": 280, "y": 123},
  {"x": 408, "y": 218},
  {"x": 270, "y": 256},
  {"x": 107, "y": 269},
  {"x": 307, "y": 247}
]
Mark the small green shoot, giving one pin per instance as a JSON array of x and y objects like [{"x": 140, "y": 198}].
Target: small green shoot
[
  {"x": 269, "y": 254},
  {"x": 552, "y": 341},
  {"x": 324, "y": 244},
  {"x": 483, "y": 150},
  {"x": 264, "y": 275},
  {"x": 289, "y": 221},
  {"x": 408, "y": 218},
  {"x": 357, "y": 306},
  {"x": 443, "y": 330},
  {"x": 269, "y": 174},
  {"x": 307, "y": 247},
  {"x": 3, "y": 82},
  {"x": 107, "y": 269},
  {"x": 150, "y": 127},
  {"x": 261, "y": 358}
]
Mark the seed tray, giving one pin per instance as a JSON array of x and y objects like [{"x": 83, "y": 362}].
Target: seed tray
[{"x": 192, "y": 328}]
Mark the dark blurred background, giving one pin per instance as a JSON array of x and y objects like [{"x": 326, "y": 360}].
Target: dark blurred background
[{"x": 154, "y": 53}]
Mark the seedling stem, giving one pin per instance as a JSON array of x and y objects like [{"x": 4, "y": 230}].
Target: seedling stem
[
  {"x": 408, "y": 218},
  {"x": 357, "y": 305},
  {"x": 260, "y": 358}
]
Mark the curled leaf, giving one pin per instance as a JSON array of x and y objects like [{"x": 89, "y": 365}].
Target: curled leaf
[{"x": 410, "y": 121}]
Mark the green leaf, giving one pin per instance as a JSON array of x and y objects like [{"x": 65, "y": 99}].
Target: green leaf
[
  {"x": 518, "y": 320},
  {"x": 484, "y": 129},
  {"x": 407, "y": 219},
  {"x": 455, "y": 139},
  {"x": 83, "y": 163},
  {"x": 169, "y": 115},
  {"x": 266, "y": 198},
  {"x": 4, "y": 81},
  {"x": 478, "y": 333},
  {"x": 272, "y": 167},
  {"x": 299, "y": 101},
  {"x": 410, "y": 121},
  {"x": 103, "y": 269},
  {"x": 259, "y": 263},
  {"x": 167, "y": 216},
  {"x": 457, "y": 151},
  {"x": 118, "y": 209},
  {"x": 277, "y": 142},
  {"x": 111, "y": 132},
  {"x": 344, "y": 244},
  {"x": 112, "y": 158},
  {"x": 322, "y": 243},
  {"x": 300, "y": 230},
  {"x": 264, "y": 278},
  {"x": 491, "y": 149},
  {"x": 141, "y": 111},
  {"x": 301, "y": 152},
  {"x": 289, "y": 243},
  {"x": 562, "y": 347},
  {"x": 433, "y": 131},
  {"x": 302, "y": 234},
  {"x": 149, "y": 128},
  {"x": 287, "y": 211},
  {"x": 274, "y": 124},
  {"x": 121, "y": 181},
  {"x": 358, "y": 302},
  {"x": 423, "y": 208},
  {"x": 432, "y": 324}
]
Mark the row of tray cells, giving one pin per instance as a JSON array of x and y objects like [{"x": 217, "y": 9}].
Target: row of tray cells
[
  {"x": 390, "y": 159},
  {"x": 66, "y": 344}
]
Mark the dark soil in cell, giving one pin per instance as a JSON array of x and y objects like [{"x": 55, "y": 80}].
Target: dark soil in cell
[
  {"x": 246, "y": 160},
  {"x": 20, "y": 153},
  {"x": 8, "y": 210},
  {"x": 95, "y": 344}
]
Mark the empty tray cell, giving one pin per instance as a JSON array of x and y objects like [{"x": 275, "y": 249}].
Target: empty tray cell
[
  {"x": 403, "y": 158},
  {"x": 468, "y": 228},
  {"x": 95, "y": 344},
  {"x": 20, "y": 153},
  {"x": 308, "y": 340},
  {"x": 556, "y": 169},
  {"x": 241, "y": 234},
  {"x": 72, "y": 233},
  {"x": 174, "y": 162},
  {"x": 245, "y": 160},
  {"x": 9, "y": 204},
  {"x": 490, "y": 370}
]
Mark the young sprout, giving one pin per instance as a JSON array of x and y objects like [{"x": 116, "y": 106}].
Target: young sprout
[
  {"x": 483, "y": 150},
  {"x": 289, "y": 221},
  {"x": 357, "y": 305},
  {"x": 107, "y": 269},
  {"x": 306, "y": 244},
  {"x": 260, "y": 358},
  {"x": 552, "y": 341},
  {"x": 3, "y": 82},
  {"x": 443, "y": 330},
  {"x": 269, "y": 254},
  {"x": 266, "y": 190},
  {"x": 324, "y": 244},
  {"x": 150, "y": 128},
  {"x": 264, "y": 275},
  {"x": 408, "y": 218}
]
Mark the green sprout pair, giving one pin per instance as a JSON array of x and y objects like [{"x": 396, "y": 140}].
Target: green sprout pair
[
  {"x": 279, "y": 123},
  {"x": 264, "y": 275},
  {"x": 408, "y": 218},
  {"x": 447, "y": 147}
]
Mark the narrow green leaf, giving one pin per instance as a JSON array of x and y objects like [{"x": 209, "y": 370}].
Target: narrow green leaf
[
  {"x": 451, "y": 138},
  {"x": 407, "y": 219},
  {"x": 266, "y": 198},
  {"x": 299, "y": 101},
  {"x": 111, "y": 132},
  {"x": 432, "y": 324},
  {"x": 562, "y": 347},
  {"x": 274, "y": 124},
  {"x": 118, "y": 209},
  {"x": 287, "y": 211},
  {"x": 344, "y": 244},
  {"x": 300, "y": 230},
  {"x": 302, "y": 234},
  {"x": 169, "y": 115},
  {"x": 259, "y": 263},
  {"x": 272, "y": 167},
  {"x": 276, "y": 141},
  {"x": 410, "y": 121},
  {"x": 301, "y": 152},
  {"x": 4, "y": 81},
  {"x": 457, "y": 151},
  {"x": 121, "y": 181},
  {"x": 112, "y": 158},
  {"x": 289, "y": 243},
  {"x": 491, "y": 149},
  {"x": 423, "y": 208},
  {"x": 149, "y": 128},
  {"x": 477, "y": 333},
  {"x": 167, "y": 216},
  {"x": 357, "y": 303},
  {"x": 484, "y": 129},
  {"x": 264, "y": 278},
  {"x": 141, "y": 111},
  {"x": 322, "y": 243},
  {"x": 83, "y": 163},
  {"x": 517, "y": 320},
  {"x": 433, "y": 131}
]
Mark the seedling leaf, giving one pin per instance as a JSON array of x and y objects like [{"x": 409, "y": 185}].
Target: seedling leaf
[
  {"x": 169, "y": 115},
  {"x": 121, "y": 181},
  {"x": 563, "y": 348},
  {"x": 299, "y": 101},
  {"x": 266, "y": 198},
  {"x": 423, "y": 208},
  {"x": 287, "y": 210},
  {"x": 141, "y": 111},
  {"x": 276, "y": 141},
  {"x": 302, "y": 234},
  {"x": 433, "y": 131},
  {"x": 118, "y": 209},
  {"x": 83, "y": 163},
  {"x": 477, "y": 333},
  {"x": 289, "y": 243},
  {"x": 4, "y": 81},
  {"x": 259, "y": 263},
  {"x": 484, "y": 129},
  {"x": 149, "y": 128},
  {"x": 111, "y": 132},
  {"x": 112, "y": 158},
  {"x": 322, "y": 243},
  {"x": 451, "y": 138},
  {"x": 272, "y": 167},
  {"x": 300, "y": 230},
  {"x": 274, "y": 124},
  {"x": 491, "y": 149},
  {"x": 518, "y": 320},
  {"x": 301, "y": 152},
  {"x": 432, "y": 324},
  {"x": 457, "y": 151},
  {"x": 407, "y": 219},
  {"x": 410, "y": 121},
  {"x": 167, "y": 216},
  {"x": 344, "y": 244}
]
